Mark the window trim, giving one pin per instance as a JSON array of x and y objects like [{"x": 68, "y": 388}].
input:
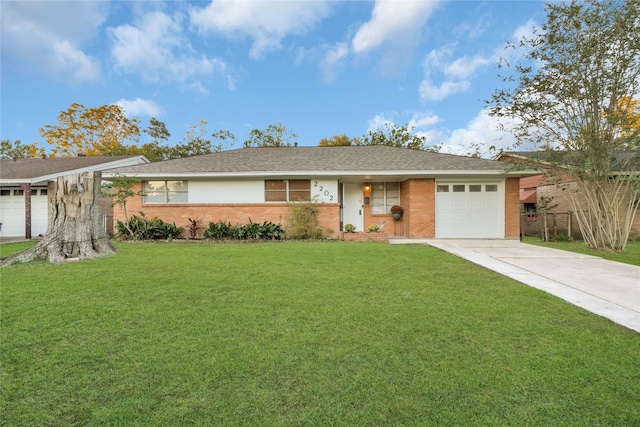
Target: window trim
[
  {"x": 387, "y": 204},
  {"x": 287, "y": 191},
  {"x": 165, "y": 192}
]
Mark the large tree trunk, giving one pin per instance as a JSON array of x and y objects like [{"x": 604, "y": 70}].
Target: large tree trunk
[{"x": 75, "y": 229}]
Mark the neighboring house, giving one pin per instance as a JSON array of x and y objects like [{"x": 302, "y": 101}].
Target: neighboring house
[
  {"x": 24, "y": 187},
  {"x": 443, "y": 196},
  {"x": 538, "y": 194}
]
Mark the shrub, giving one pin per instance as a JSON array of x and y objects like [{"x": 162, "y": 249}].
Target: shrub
[
  {"x": 193, "y": 227},
  {"x": 252, "y": 231},
  {"x": 303, "y": 221},
  {"x": 350, "y": 228},
  {"x": 141, "y": 228},
  {"x": 373, "y": 228},
  {"x": 219, "y": 230}
]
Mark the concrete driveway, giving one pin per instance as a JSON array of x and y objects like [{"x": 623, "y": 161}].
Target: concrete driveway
[{"x": 607, "y": 288}]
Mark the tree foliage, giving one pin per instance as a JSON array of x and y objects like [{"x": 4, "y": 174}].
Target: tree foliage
[
  {"x": 90, "y": 131},
  {"x": 573, "y": 96},
  {"x": 18, "y": 150},
  {"x": 275, "y": 135},
  {"x": 390, "y": 134},
  {"x": 338, "y": 140},
  {"x": 395, "y": 136}
]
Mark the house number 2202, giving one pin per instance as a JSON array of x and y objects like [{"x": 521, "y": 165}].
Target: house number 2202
[{"x": 323, "y": 191}]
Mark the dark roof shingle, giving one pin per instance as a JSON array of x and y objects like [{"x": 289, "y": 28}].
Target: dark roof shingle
[{"x": 310, "y": 159}]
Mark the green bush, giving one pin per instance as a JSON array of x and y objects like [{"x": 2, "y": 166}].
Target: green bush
[
  {"x": 253, "y": 231},
  {"x": 141, "y": 228},
  {"x": 218, "y": 230},
  {"x": 303, "y": 221}
]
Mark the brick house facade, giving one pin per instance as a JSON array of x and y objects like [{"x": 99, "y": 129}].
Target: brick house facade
[{"x": 355, "y": 184}]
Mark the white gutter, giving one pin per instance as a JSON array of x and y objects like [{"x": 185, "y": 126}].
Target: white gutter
[
  {"x": 131, "y": 161},
  {"x": 253, "y": 174}
]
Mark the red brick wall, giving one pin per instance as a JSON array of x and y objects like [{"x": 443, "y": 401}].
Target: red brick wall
[
  {"x": 329, "y": 214},
  {"x": 366, "y": 237},
  {"x": 419, "y": 202},
  {"x": 512, "y": 208}
]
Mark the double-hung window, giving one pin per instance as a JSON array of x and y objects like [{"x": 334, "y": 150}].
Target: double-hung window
[
  {"x": 166, "y": 192},
  {"x": 383, "y": 196},
  {"x": 287, "y": 190}
]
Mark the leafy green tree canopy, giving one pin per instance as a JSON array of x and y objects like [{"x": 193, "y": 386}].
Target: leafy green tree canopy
[
  {"x": 572, "y": 94},
  {"x": 18, "y": 150},
  {"x": 275, "y": 135}
]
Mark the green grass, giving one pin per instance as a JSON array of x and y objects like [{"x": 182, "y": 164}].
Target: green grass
[
  {"x": 7, "y": 249},
  {"x": 302, "y": 334},
  {"x": 631, "y": 254}
]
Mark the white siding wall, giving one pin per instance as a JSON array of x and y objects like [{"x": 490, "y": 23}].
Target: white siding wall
[
  {"x": 242, "y": 191},
  {"x": 226, "y": 191},
  {"x": 324, "y": 190}
]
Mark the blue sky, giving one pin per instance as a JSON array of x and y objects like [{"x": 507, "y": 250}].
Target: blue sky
[{"x": 321, "y": 68}]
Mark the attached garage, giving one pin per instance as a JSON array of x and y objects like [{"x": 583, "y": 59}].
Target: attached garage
[
  {"x": 12, "y": 211},
  {"x": 33, "y": 175},
  {"x": 470, "y": 210}
]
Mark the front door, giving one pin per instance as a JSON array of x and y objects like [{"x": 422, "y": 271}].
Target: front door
[{"x": 352, "y": 205}]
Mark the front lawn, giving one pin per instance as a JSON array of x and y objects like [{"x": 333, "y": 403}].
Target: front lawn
[
  {"x": 631, "y": 254},
  {"x": 289, "y": 333}
]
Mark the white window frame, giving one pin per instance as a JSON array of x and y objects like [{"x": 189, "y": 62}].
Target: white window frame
[
  {"x": 288, "y": 190},
  {"x": 166, "y": 192},
  {"x": 386, "y": 203}
]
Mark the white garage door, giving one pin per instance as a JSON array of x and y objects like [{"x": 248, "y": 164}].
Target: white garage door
[
  {"x": 469, "y": 210},
  {"x": 12, "y": 212}
]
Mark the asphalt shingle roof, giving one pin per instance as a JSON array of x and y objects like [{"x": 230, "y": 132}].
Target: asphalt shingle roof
[
  {"x": 310, "y": 159},
  {"x": 36, "y": 167}
]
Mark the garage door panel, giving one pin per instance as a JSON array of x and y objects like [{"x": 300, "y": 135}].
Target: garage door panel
[{"x": 470, "y": 214}]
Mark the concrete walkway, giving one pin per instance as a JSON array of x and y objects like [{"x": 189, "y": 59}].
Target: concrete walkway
[{"x": 607, "y": 288}]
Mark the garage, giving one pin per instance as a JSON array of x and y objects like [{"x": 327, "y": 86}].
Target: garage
[
  {"x": 469, "y": 210},
  {"x": 12, "y": 211}
]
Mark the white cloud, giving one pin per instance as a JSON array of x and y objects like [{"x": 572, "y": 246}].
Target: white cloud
[
  {"x": 456, "y": 74},
  {"x": 140, "y": 107},
  {"x": 465, "y": 67},
  {"x": 429, "y": 91},
  {"x": 378, "y": 122},
  {"x": 156, "y": 49},
  {"x": 392, "y": 22},
  {"x": 332, "y": 61},
  {"x": 394, "y": 27},
  {"x": 482, "y": 134},
  {"x": 51, "y": 35},
  {"x": 266, "y": 22},
  {"x": 421, "y": 120}
]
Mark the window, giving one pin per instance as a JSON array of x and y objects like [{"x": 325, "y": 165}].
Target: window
[
  {"x": 287, "y": 190},
  {"x": 458, "y": 188},
  {"x": 473, "y": 188},
  {"x": 5, "y": 192},
  {"x": 383, "y": 196},
  {"x": 166, "y": 192},
  {"x": 443, "y": 189},
  {"x": 492, "y": 188}
]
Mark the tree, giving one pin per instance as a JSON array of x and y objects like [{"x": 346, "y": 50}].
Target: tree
[
  {"x": 120, "y": 189},
  {"x": 395, "y": 136},
  {"x": 568, "y": 97},
  {"x": 75, "y": 227},
  {"x": 338, "y": 140},
  {"x": 197, "y": 143},
  {"x": 17, "y": 150},
  {"x": 90, "y": 131},
  {"x": 273, "y": 136}
]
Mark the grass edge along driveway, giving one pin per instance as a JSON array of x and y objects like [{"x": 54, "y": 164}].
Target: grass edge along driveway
[{"x": 302, "y": 333}]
